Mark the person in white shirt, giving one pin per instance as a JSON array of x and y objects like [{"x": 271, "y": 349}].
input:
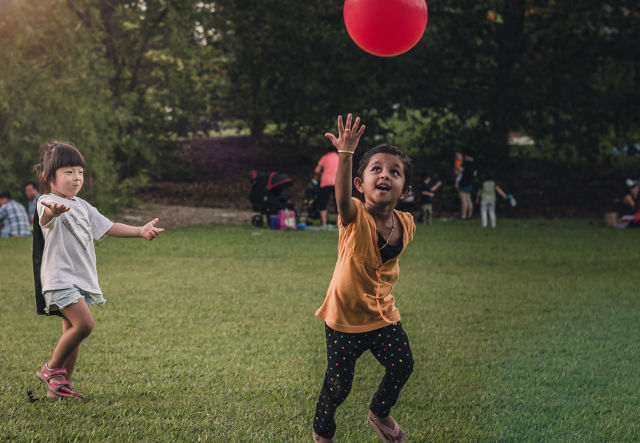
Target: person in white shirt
[{"x": 65, "y": 227}]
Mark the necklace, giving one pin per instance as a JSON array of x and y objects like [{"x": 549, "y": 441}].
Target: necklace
[{"x": 393, "y": 226}]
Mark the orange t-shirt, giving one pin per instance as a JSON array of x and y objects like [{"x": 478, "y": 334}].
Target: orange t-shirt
[
  {"x": 329, "y": 163},
  {"x": 359, "y": 297}
]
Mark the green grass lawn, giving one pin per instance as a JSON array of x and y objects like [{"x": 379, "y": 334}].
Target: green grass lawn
[{"x": 526, "y": 332}]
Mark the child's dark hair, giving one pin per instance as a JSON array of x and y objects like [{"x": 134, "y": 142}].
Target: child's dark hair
[
  {"x": 56, "y": 155},
  {"x": 388, "y": 149}
]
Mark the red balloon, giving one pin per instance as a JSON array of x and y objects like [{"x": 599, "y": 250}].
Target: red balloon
[{"x": 385, "y": 27}]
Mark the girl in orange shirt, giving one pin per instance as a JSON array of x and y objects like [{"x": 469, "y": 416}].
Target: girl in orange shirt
[{"x": 359, "y": 310}]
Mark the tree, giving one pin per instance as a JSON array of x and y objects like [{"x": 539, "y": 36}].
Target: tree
[
  {"x": 565, "y": 73},
  {"x": 122, "y": 80},
  {"x": 161, "y": 73},
  {"x": 52, "y": 86}
]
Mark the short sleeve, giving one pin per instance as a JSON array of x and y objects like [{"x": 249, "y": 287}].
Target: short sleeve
[
  {"x": 358, "y": 217},
  {"x": 40, "y": 208},
  {"x": 99, "y": 223},
  {"x": 410, "y": 225},
  {"x": 412, "y": 228}
]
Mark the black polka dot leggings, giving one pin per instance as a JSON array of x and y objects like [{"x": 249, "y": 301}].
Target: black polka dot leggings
[{"x": 389, "y": 345}]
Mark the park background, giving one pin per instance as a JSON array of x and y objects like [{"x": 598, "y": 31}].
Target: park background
[
  {"x": 526, "y": 332},
  {"x": 178, "y": 100}
]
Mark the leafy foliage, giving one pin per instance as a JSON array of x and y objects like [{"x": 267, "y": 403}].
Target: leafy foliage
[
  {"x": 129, "y": 80},
  {"x": 121, "y": 80},
  {"x": 53, "y": 86}
]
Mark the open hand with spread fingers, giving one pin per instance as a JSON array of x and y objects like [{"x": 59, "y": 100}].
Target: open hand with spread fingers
[
  {"x": 55, "y": 209},
  {"x": 348, "y": 134}
]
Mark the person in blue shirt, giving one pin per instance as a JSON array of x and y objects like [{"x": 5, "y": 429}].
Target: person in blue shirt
[{"x": 15, "y": 222}]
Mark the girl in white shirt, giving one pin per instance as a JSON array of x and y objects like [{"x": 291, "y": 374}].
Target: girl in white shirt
[{"x": 67, "y": 281}]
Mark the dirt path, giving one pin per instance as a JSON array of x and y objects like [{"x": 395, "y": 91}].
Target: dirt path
[{"x": 174, "y": 215}]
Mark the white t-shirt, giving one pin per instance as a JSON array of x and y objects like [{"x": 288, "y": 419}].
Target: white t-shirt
[{"x": 69, "y": 257}]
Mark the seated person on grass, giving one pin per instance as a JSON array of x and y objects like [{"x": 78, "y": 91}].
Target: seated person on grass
[{"x": 15, "y": 222}]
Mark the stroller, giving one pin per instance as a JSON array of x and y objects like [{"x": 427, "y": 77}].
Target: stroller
[
  {"x": 310, "y": 199},
  {"x": 267, "y": 195}
]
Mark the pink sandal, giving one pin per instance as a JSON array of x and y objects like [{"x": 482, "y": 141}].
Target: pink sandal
[
  {"x": 52, "y": 395},
  {"x": 59, "y": 387},
  {"x": 387, "y": 434}
]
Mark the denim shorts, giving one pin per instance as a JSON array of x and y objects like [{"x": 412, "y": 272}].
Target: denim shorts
[{"x": 61, "y": 298}]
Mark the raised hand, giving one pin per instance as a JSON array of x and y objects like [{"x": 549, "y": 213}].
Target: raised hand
[
  {"x": 55, "y": 209},
  {"x": 348, "y": 135},
  {"x": 149, "y": 231}
]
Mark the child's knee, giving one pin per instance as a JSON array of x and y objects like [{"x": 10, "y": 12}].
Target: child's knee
[
  {"x": 403, "y": 368},
  {"x": 85, "y": 327},
  {"x": 409, "y": 367},
  {"x": 337, "y": 389}
]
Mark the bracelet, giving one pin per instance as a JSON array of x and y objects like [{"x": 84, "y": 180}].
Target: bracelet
[{"x": 345, "y": 152}]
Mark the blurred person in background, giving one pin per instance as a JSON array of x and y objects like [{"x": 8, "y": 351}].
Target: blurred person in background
[
  {"x": 326, "y": 170},
  {"x": 31, "y": 191},
  {"x": 15, "y": 222}
]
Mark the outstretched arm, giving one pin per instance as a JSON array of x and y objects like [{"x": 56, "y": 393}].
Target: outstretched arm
[
  {"x": 345, "y": 143},
  {"x": 148, "y": 231},
  {"x": 501, "y": 192}
]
